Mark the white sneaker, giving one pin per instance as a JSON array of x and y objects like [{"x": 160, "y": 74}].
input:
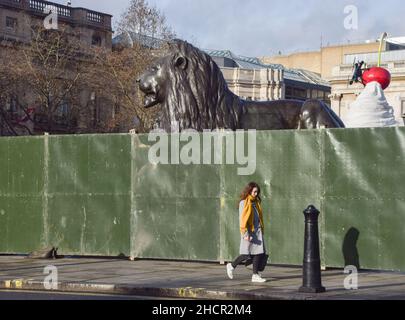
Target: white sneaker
[
  {"x": 258, "y": 278},
  {"x": 229, "y": 270}
]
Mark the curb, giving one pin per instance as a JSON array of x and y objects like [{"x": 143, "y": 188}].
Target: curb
[{"x": 184, "y": 293}]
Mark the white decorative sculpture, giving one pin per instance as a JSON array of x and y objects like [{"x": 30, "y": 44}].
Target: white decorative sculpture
[{"x": 370, "y": 109}]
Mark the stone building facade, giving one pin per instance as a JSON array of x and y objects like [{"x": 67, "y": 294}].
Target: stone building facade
[
  {"x": 251, "y": 79},
  {"x": 335, "y": 65},
  {"x": 324, "y": 60},
  {"x": 344, "y": 94},
  {"x": 17, "y": 17},
  {"x": 256, "y": 84}
]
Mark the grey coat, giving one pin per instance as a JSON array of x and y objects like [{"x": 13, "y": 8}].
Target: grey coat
[{"x": 256, "y": 246}]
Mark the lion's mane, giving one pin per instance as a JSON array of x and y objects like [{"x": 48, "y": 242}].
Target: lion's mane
[{"x": 198, "y": 94}]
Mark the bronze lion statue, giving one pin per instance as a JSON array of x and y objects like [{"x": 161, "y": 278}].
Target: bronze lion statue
[{"x": 194, "y": 95}]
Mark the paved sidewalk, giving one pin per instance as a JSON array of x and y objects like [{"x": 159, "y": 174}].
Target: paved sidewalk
[{"x": 189, "y": 280}]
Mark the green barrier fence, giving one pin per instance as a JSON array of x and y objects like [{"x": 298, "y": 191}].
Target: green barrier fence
[{"x": 100, "y": 195}]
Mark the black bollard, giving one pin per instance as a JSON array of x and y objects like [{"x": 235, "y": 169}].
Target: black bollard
[{"x": 312, "y": 263}]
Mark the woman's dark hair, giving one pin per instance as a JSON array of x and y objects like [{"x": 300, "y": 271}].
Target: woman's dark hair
[{"x": 248, "y": 190}]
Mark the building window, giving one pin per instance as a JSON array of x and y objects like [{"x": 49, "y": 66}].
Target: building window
[
  {"x": 300, "y": 93},
  {"x": 96, "y": 115},
  {"x": 115, "y": 110},
  {"x": 62, "y": 114},
  {"x": 11, "y": 23},
  {"x": 96, "y": 40},
  {"x": 63, "y": 110},
  {"x": 11, "y": 105},
  {"x": 288, "y": 93}
]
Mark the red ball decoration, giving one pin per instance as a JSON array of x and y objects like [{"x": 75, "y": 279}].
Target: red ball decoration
[{"x": 381, "y": 75}]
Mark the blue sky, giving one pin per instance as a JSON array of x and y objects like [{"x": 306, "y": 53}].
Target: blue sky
[{"x": 265, "y": 27}]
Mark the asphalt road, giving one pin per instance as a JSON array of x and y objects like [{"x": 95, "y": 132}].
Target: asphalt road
[{"x": 31, "y": 295}]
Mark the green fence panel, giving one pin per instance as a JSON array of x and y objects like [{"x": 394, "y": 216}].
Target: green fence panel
[
  {"x": 89, "y": 194},
  {"x": 287, "y": 169},
  {"x": 21, "y": 201},
  {"x": 4, "y": 191},
  {"x": 175, "y": 210},
  {"x": 364, "y": 198}
]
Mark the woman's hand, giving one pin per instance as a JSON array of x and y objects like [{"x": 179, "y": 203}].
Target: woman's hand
[{"x": 248, "y": 238}]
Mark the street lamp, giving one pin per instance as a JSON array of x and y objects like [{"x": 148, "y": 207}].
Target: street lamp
[{"x": 383, "y": 37}]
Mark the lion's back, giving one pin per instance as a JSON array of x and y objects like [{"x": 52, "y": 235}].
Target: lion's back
[{"x": 274, "y": 115}]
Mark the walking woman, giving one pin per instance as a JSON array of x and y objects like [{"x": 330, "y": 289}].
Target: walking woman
[{"x": 251, "y": 228}]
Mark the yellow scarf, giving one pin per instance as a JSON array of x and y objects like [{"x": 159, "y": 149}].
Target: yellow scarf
[{"x": 248, "y": 214}]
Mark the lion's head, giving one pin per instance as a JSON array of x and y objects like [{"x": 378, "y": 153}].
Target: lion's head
[{"x": 191, "y": 90}]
